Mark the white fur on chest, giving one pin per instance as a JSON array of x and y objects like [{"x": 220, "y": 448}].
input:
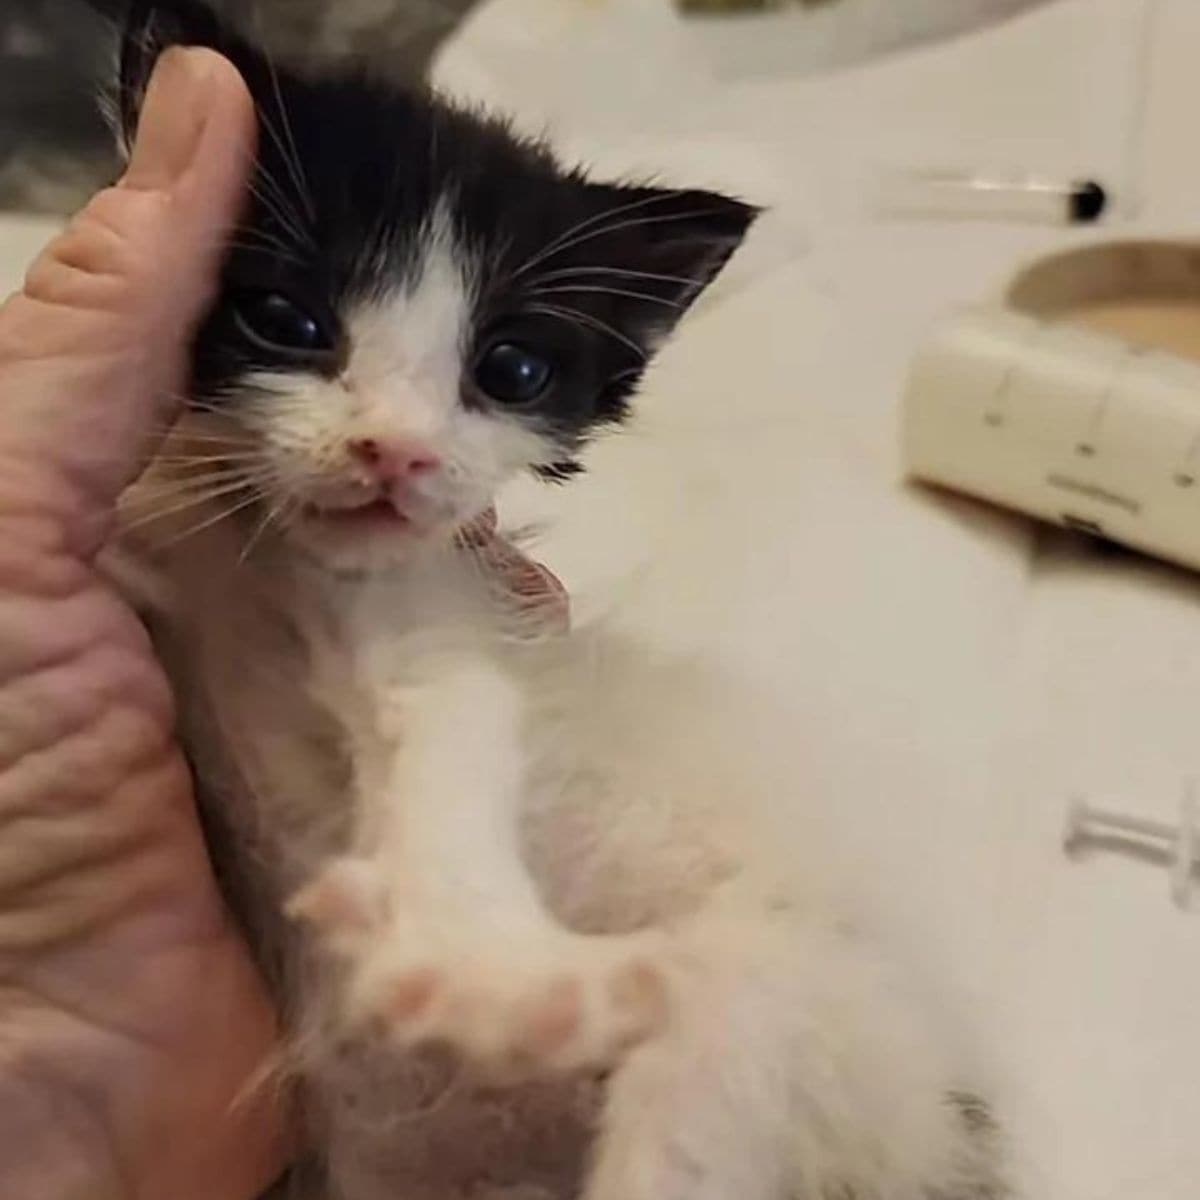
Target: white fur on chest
[{"x": 278, "y": 668}]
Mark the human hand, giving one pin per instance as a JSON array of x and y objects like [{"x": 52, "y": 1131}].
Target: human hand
[{"x": 131, "y": 1017}]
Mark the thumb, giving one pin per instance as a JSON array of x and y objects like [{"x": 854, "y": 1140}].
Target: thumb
[{"x": 94, "y": 350}]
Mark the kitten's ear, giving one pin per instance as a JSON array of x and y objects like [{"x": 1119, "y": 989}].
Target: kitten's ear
[
  {"x": 146, "y": 29},
  {"x": 671, "y": 244}
]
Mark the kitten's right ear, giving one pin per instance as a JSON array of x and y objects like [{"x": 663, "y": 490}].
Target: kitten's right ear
[{"x": 146, "y": 29}]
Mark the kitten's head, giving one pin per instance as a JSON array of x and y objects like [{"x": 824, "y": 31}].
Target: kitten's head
[{"x": 418, "y": 305}]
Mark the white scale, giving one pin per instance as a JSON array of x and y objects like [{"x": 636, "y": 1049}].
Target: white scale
[{"x": 1076, "y": 400}]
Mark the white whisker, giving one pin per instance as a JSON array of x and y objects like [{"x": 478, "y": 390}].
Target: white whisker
[
  {"x": 302, "y": 182},
  {"x": 622, "y": 226},
  {"x": 183, "y": 485},
  {"x": 277, "y": 207},
  {"x": 564, "y": 239},
  {"x": 169, "y": 431},
  {"x": 207, "y": 524},
  {"x": 289, "y": 152},
  {"x": 586, "y": 319},
  {"x": 189, "y": 499},
  {"x": 197, "y": 460},
  {"x": 276, "y": 515},
  {"x": 622, "y": 272},
  {"x": 605, "y": 291}
]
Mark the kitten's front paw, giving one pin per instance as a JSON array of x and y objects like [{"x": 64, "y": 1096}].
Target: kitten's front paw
[
  {"x": 515, "y": 1002},
  {"x": 515, "y": 1009}
]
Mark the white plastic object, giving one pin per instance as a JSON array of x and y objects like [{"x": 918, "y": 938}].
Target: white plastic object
[
  {"x": 1063, "y": 423},
  {"x": 1087, "y": 823},
  {"x": 1056, "y": 401}
]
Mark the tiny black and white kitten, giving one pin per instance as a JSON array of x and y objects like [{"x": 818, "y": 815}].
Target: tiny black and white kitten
[{"x": 421, "y": 798}]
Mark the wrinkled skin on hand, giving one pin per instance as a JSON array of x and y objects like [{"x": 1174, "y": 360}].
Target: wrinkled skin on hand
[{"x": 131, "y": 1018}]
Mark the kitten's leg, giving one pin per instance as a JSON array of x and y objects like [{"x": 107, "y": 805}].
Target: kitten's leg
[
  {"x": 792, "y": 1068},
  {"x": 446, "y": 934}
]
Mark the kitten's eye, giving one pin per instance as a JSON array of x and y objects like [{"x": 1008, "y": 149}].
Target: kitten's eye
[
  {"x": 273, "y": 322},
  {"x": 512, "y": 373}
]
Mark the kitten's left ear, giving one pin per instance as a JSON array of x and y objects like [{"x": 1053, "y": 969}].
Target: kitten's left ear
[{"x": 672, "y": 244}]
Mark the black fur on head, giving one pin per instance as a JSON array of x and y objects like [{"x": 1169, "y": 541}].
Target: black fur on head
[{"x": 353, "y": 168}]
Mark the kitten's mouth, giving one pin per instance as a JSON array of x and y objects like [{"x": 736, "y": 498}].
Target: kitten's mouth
[{"x": 374, "y": 514}]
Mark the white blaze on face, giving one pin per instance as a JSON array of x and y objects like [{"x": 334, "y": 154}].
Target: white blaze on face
[{"x": 407, "y": 351}]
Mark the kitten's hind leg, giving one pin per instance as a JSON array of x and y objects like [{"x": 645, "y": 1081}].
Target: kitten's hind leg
[{"x": 792, "y": 1068}]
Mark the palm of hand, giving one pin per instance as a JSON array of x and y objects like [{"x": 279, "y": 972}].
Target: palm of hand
[{"x": 130, "y": 1013}]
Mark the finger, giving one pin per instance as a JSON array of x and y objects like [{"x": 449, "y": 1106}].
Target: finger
[{"x": 97, "y": 342}]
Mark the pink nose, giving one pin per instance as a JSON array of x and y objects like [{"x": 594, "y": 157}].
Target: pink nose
[{"x": 393, "y": 459}]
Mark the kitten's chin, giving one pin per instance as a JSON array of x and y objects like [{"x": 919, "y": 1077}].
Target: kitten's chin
[{"x": 367, "y": 541}]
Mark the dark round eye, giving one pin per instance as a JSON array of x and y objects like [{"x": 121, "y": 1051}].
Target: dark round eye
[
  {"x": 274, "y": 322},
  {"x": 512, "y": 373}
]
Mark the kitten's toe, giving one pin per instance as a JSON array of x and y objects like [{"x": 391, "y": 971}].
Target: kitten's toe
[
  {"x": 576, "y": 1004},
  {"x": 576, "y": 1022},
  {"x": 344, "y": 903}
]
